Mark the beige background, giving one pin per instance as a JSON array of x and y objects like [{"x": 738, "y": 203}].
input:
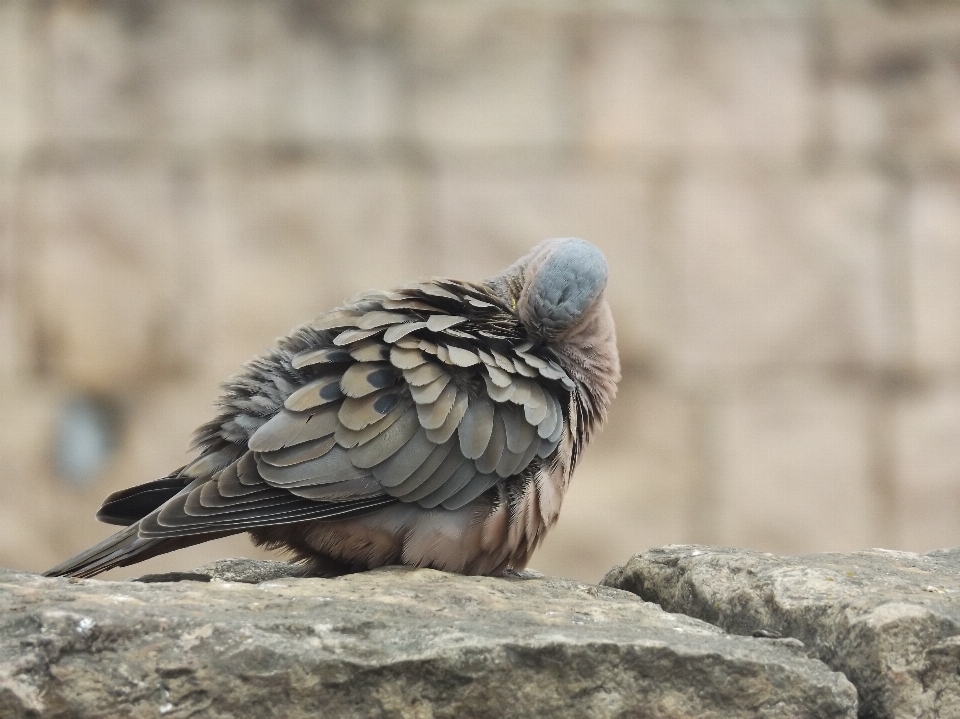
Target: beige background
[{"x": 775, "y": 184}]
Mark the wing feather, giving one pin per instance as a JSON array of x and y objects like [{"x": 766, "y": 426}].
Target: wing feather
[
  {"x": 499, "y": 377},
  {"x": 434, "y": 290},
  {"x": 432, "y": 415},
  {"x": 477, "y": 485},
  {"x": 211, "y": 462},
  {"x": 430, "y": 496},
  {"x": 334, "y": 466},
  {"x": 349, "y": 438},
  {"x": 229, "y": 484},
  {"x": 485, "y": 356},
  {"x": 358, "y": 412},
  {"x": 339, "y": 491},
  {"x": 497, "y": 393},
  {"x": 353, "y": 335},
  {"x": 488, "y": 461},
  {"x": 404, "y": 461},
  {"x": 462, "y": 357},
  {"x": 336, "y": 319},
  {"x": 324, "y": 355},
  {"x": 551, "y": 370},
  {"x": 299, "y": 452},
  {"x": 423, "y": 374},
  {"x": 505, "y": 363},
  {"x": 209, "y": 495},
  {"x": 519, "y": 432},
  {"x": 558, "y": 430},
  {"x": 509, "y": 463},
  {"x": 387, "y": 442},
  {"x": 377, "y": 318},
  {"x": 189, "y": 511},
  {"x": 370, "y": 351},
  {"x": 524, "y": 369},
  {"x": 441, "y": 463},
  {"x": 445, "y": 431},
  {"x": 288, "y": 428},
  {"x": 549, "y": 422},
  {"x": 535, "y": 409},
  {"x": 409, "y": 304},
  {"x": 406, "y": 358},
  {"x": 529, "y": 453},
  {"x": 429, "y": 393},
  {"x": 398, "y": 332},
  {"x": 454, "y": 473},
  {"x": 531, "y": 359},
  {"x": 521, "y": 390},
  {"x": 247, "y": 471},
  {"x": 298, "y": 511},
  {"x": 476, "y": 427},
  {"x": 365, "y": 378}
]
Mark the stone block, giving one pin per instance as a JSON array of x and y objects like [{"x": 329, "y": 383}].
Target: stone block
[
  {"x": 790, "y": 466},
  {"x": 899, "y": 68},
  {"x": 484, "y": 220},
  {"x": 203, "y": 74},
  {"x": 927, "y": 467},
  {"x": 393, "y": 642},
  {"x": 16, "y": 91},
  {"x": 107, "y": 291},
  {"x": 637, "y": 483},
  {"x": 236, "y": 569},
  {"x": 890, "y": 621},
  {"x": 11, "y": 348},
  {"x": 486, "y": 75},
  {"x": 863, "y": 37},
  {"x": 289, "y": 240},
  {"x": 933, "y": 216},
  {"x": 777, "y": 268},
  {"x": 276, "y": 72},
  {"x": 92, "y": 77},
  {"x": 857, "y": 121},
  {"x": 703, "y": 9},
  {"x": 696, "y": 85}
]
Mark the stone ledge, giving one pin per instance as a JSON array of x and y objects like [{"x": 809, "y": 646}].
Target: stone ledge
[
  {"x": 890, "y": 621},
  {"x": 388, "y": 643}
]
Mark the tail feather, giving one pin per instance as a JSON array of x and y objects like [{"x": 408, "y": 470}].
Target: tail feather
[
  {"x": 90, "y": 559},
  {"x": 130, "y": 505},
  {"x": 123, "y": 548}
]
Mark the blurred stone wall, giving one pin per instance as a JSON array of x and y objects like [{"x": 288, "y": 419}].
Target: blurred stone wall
[{"x": 775, "y": 184}]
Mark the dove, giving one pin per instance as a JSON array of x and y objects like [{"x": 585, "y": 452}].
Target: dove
[{"x": 435, "y": 425}]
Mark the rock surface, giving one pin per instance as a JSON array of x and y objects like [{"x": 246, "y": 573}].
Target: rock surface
[
  {"x": 388, "y": 643},
  {"x": 888, "y": 620},
  {"x": 245, "y": 571}
]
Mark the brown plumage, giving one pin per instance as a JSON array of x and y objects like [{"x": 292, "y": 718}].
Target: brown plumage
[{"x": 437, "y": 425}]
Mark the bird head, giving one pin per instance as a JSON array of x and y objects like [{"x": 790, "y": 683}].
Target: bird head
[{"x": 556, "y": 286}]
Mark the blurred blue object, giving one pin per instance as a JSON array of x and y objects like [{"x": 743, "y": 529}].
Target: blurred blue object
[{"x": 85, "y": 439}]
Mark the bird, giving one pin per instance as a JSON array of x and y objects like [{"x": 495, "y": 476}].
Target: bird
[{"x": 435, "y": 425}]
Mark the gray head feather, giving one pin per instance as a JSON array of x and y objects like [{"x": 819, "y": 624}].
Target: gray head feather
[{"x": 561, "y": 280}]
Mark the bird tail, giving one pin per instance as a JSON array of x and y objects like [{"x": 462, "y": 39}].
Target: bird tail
[{"x": 123, "y": 548}]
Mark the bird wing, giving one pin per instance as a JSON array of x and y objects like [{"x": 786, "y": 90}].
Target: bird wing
[{"x": 429, "y": 395}]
